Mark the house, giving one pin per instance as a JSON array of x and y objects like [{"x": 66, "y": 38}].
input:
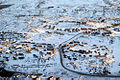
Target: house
[
  {"x": 53, "y": 27},
  {"x": 83, "y": 28},
  {"x": 73, "y": 30},
  {"x": 54, "y": 51},
  {"x": 67, "y": 43},
  {"x": 77, "y": 30},
  {"x": 94, "y": 29},
  {"x": 45, "y": 26},
  {"x": 71, "y": 42},
  {"x": 117, "y": 29},
  {"x": 89, "y": 28},
  {"x": 35, "y": 55},
  {"x": 21, "y": 57},
  {"x": 14, "y": 57},
  {"x": 39, "y": 45},
  {"x": 49, "y": 52},
  {"x": 28, "y": 50},
  {"x": 95, "y": 33},
  {"x": 76, "y": 41},
  {"x": 19, "y": 47},
  {"x": 21, "y": 54},
  {"x": 50, "y": 47}
]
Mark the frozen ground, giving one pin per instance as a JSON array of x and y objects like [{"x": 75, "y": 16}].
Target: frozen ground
[
  {"x": 54, "y": 22},
  {"x": 92, "y": 54}
]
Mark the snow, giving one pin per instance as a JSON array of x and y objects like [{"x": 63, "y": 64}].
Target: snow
[
  {"x": 30, "y": 18},
  {"x": 99, "y": 41}
]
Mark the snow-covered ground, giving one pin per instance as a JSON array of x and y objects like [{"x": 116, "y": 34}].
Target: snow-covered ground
[
  {"x": 54, "y": 22},
  {"x": 92, "y": 54}
]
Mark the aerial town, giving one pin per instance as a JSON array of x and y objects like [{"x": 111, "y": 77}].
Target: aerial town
[{"x": 60, "y": 40}]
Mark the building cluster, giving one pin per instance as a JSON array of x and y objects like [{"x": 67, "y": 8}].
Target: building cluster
[
  {"x": 90, "y": 31},
  {"x": 11, "y": 35},
  {"x": 68, "y": 29},
  {"x": 20, "y": 49},
  {"x": 99, "y": 54}
]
